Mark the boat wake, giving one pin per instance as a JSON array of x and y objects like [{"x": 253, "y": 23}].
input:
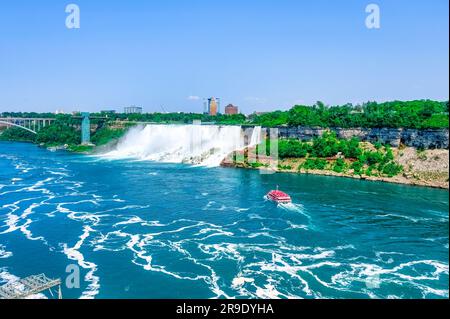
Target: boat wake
[{"x": 292, "y": 207}]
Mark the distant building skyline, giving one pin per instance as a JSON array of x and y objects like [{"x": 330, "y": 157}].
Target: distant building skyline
[
  {"x": 231, "y": 109},
  {"x": 132, "y": 109},
  {"x": 213, "y": 106}
]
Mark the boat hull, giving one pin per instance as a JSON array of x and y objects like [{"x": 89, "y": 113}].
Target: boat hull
[{"x": 279, "y": 197}]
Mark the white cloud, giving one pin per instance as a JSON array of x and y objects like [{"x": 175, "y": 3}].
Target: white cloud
[
  {"x": 193, "y": 98},
  {"x": 256, "y": 100}
]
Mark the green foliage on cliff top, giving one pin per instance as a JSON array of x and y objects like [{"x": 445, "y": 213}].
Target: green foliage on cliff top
[
  {"x": 420, "y": 114},
  {"x": 328, "y": 145},
  {"x": 105, "y": 135},
  {"x": 339, "y": 155},
  {"x": 17, "y": 134}
]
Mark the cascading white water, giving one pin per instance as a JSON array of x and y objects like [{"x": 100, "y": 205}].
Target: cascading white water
[{"x": 205, "y": 145}]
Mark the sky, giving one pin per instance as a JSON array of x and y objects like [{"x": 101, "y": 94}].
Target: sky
[{"x": 261, "y": 55}]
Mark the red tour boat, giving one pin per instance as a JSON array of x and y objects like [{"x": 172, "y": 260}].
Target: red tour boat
[{"x": 279, "y": 197}]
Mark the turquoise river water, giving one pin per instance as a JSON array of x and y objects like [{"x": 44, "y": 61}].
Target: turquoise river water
[{"x": 142, "y": 229}]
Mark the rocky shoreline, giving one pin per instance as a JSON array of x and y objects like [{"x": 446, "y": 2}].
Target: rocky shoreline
[{"x": 429, "y": 168}]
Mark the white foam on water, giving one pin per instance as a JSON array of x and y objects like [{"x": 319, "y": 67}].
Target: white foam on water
[
  {"x": 268, "y": 292},
  {"x": 132, "y": 220},
  {"x": 142, "y": 246},
  {"x": 240, "y": 281},
  {"x": 4, "y": 253},
  {"x": 33, "y": 188},
  {"x": 297, "y": 208},
  {"x": 364, "y": 272},
  {"x": 212, "y": 232},
  {"x": 410, "y": 218},
  {"x": 204, "y": 145},
  {"x": 300, "y": 209},
  {"x": 13, "y": 221},
  {"x": 59, "y": 173},
  {"x": 73, "y": 253},
  {"x": 28, "y": 234}
]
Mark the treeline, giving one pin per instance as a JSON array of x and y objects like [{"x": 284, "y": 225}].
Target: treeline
[
  {"x": 28, "y": 114},
  {"x": 180, "y": 118},
  {"x": 62, "y": 131},
  {"x": 17, "y": 134},
  {"x": 420, "y": 114}
]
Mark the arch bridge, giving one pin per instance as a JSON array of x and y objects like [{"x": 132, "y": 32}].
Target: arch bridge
[{"x": 32, "y": 125}]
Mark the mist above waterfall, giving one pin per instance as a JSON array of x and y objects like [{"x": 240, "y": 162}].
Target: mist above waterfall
[{"x": 205, "y": 145}]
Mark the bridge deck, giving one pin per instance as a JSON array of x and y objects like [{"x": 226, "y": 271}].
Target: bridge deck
[{"x": 27, "y": 119}]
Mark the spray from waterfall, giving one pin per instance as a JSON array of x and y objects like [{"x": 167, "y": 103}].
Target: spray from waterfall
[{"x": 205, "y": 145}]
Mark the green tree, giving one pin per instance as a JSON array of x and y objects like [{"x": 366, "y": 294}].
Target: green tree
[
  {"x": 339, "y": 165},
  {"x": 59, "y": 133},
  {"x": 17, "y": 134}
]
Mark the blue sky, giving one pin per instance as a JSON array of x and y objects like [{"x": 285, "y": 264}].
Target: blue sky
[{"x": 257, "y": 54}]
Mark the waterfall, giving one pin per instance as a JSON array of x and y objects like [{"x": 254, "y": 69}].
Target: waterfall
[
  {"x": 256, "y": 136},
  {"x": 205, "y": 145}
]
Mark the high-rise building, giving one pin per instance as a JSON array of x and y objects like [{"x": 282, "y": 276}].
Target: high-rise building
[
  {"x": 133, "y": 110},
  {"x": 231, "y": 109},
  {"x": 213, "y": 106}
]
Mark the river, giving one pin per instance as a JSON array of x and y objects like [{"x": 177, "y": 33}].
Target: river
[{"x": 145, "y": 229}]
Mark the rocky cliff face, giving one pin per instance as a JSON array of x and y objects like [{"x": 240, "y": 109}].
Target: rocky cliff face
[{"x": 427, "y": 139}]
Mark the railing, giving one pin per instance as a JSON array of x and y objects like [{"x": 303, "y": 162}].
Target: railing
[
  {"x": 29, "y": 286},
  {"x": 32, "y": 125}
]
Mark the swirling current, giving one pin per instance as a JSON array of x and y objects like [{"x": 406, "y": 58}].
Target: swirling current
[{"x": 141, "y": 229}]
